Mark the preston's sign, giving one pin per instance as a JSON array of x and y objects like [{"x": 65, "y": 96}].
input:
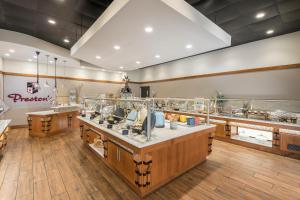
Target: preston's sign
[{"x": 19, "y": 98}]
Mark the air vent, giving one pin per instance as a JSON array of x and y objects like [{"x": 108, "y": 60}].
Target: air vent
[{"x": 293, "y": 147}]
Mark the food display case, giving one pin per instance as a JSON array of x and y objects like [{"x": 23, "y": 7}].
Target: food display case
[
  {"x": 132, "y": 115},
  {"x": 286, "y": 111}
]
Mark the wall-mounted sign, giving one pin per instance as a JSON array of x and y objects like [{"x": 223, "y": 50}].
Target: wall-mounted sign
[
  {"x": 23, "y": 92},
  {"x": 32, "y": 87},
  {"x": 19, "y": 98}
]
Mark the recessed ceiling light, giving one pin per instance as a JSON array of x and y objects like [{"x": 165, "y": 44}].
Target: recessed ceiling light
[
  {"x": 66, "y": 40},
  {"x": 29, "y": 59},
  {"x": 260, "y": 15},
  {"x": 138, "y": 62},
  {"x": 188, "y": 46},
  {"x": 51, "y": 61},
  {"x": 117, "y": 47},
  {"x": 7, "y": 54},
  {"x": 148, "y": 29},
  {"x": 12, "y": 51},
  {"x": 269, "y": 32},
  {"x": 35, "y": 57},
  {"x": 98, "y": 57},
  {"x": 51, "y": 21},
  {"x": 157, "y": 56},
  {"x": 121, "y": 67},
  {"x": 103, "y": 70}
]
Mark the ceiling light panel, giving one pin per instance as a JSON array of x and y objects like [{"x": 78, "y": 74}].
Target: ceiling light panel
[
  {"x": 269, "y": 32},
  {"x": 51, "y": 21},
  {"x": 117, "y": 47},
  {"x": 260, "y": 15},
  {"x": 148, "y": 29},
  {"x": 188, "y": 46}
]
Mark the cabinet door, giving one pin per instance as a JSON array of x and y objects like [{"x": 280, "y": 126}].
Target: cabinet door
[
  {"x": 127, "y": 165},
  {"x": 113, "y": 155},
  {"x": 121, "y": 160}
]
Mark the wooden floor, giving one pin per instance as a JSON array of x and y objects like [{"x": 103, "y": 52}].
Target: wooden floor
[{"x": 61, "y": 167}]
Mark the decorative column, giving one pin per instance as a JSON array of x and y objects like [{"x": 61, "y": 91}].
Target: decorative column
[{"x": 46, "y": 124}]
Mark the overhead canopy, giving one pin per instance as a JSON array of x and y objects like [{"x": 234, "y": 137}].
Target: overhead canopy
[{"x": 178, "y": 30}]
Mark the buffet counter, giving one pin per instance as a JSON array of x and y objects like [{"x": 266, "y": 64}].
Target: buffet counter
[
  {"x": 49, "y": 122},
  {"x": 147, "y": 165},
  {"x": 285, "y": 136}
]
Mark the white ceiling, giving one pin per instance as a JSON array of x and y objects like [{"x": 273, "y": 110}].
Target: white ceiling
[
  {"x": 23, "y": 53},
  {"x": 175, "y": 24}
]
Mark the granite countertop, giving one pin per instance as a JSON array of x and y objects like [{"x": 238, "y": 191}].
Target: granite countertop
[
  {"x": 157, "y": 135},
  {"x": 3, "y": 125}
]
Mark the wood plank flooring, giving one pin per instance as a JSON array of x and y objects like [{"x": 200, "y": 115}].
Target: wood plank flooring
[{"x": 62, "y": 168}]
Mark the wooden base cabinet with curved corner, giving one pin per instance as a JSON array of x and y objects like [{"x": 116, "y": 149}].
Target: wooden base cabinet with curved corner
[
  {"x": 43, "y": 124},
  {"x": 148, "y": 168}
]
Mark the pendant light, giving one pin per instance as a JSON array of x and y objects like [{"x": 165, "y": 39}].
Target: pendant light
[
  {"x": 37, "y": 70},
  {"x": 55, "y": 81},
  {"x": 46, "y": 85}
]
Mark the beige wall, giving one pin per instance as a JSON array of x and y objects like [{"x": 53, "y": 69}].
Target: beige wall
[
  {"x": 279, "y": 84},
  {"x": 84, "y": 88}
]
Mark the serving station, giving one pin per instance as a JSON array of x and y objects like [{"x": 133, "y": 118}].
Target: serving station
[
  {"x": 150, "y": 156},
  {"x": 50, "y": 122},
  {"x": 266, "y": 125}
]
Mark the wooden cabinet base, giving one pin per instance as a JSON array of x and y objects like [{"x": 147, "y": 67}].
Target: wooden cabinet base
[
  {"x": 147, "y": 169},
  {"x": 46, "y": 125},
  {"x": 4, "y": 135},
  {"x": 290, "y": 143}
]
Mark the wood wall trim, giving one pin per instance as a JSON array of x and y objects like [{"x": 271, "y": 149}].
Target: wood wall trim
[
  {"x": 63, "y": 77},
  {"x": 258, "y": 69},
  {"x": 18, "y": 126}
]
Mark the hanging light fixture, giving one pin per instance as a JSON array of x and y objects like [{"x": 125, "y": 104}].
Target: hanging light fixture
[
  {"x": 64, "y": 61},
  {"x": 55, "y": 81},
  {"x": 37, "y": 84},
  {"x": 46, "y": 85}
]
